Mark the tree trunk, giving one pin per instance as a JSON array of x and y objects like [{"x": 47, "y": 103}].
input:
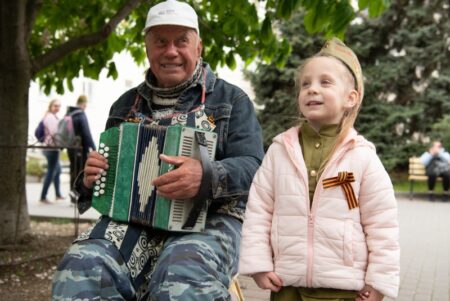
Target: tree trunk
[{"x": 14, "y": 85}]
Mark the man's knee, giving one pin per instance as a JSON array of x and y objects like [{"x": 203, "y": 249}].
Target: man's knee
[
  {"x": 198, "y": 266},
  {"x": 92, "y": 269},
  {"x": 188, "y": 284}
]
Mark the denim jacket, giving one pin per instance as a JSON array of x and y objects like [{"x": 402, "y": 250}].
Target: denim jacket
[{"x": 239, "y": 144}]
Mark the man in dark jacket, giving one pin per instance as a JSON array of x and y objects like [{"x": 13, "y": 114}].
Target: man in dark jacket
[
  {"x": 120, "y": 261},
  {"x": 85, "y": 144}
]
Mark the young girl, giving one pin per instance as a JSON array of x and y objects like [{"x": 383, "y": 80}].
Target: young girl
[{"x": 321, "y": 219}]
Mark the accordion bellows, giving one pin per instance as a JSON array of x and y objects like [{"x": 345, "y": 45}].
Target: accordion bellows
[{"x": 125, "y": 193}]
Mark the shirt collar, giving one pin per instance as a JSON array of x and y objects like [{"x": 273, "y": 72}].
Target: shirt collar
[{"x": 329, "y": 130}]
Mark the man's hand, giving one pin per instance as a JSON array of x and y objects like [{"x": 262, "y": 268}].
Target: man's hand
[
  {"x": 268, "y": 280},
  {"x": 182, "y": 182},
  {"x": 94, "y": 167}
]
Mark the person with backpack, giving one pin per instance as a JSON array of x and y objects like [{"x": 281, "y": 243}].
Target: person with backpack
[
  {"x": 50, "y": 125},
  {"x": 75, "y": 133},
  {"x": 436, "y": 161}
]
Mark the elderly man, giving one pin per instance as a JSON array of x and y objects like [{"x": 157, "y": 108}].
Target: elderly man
[{"x": 126, "y": 261}]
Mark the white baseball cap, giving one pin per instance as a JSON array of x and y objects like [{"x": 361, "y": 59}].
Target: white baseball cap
[{"x": 172, "y": 12}]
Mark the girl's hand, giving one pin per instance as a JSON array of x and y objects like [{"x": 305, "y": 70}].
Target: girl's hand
[
  {"x": 268, "y": 280},
  {"x": 368, "y": 293}
]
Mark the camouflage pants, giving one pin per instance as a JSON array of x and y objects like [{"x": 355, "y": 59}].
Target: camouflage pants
[{"x": 197, "y": 266}]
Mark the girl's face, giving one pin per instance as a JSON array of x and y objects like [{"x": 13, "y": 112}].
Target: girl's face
[
  {"x": 54, "y": 108},
  {"x": 326, "y": 91}
]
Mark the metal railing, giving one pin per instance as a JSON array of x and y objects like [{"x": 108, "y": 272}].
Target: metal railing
[{"x": 32, "y": 143}]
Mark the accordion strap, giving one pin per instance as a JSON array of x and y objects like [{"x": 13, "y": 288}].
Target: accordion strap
[{"x": 199, "y": 202}]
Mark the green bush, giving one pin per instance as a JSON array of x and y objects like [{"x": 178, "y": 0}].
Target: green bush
[
  {"x": 35, "y": 167},
  {"x": 441, "y": 131}
]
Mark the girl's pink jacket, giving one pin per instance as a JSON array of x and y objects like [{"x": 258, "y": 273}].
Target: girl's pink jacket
[{"x": 328, "y": 245}]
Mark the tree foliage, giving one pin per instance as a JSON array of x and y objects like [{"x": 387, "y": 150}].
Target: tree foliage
[
  {"x": 404, "y": 54},
  {"x": 441, "y": 131},
  {"x": 406, "y": 58},
  {"x": 62, "y": 45}
]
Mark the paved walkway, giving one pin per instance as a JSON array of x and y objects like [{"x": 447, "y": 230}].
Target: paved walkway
[
  {"x": 424, "y": 240},
  {"x": 61, "y": 208}
]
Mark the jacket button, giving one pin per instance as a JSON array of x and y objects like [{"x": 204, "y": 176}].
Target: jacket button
[
  {"x": 317, "y": 145},
  {"x": 313, "y": 173}
]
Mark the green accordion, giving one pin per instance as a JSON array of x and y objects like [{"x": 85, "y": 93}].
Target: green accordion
[{"x": 124, "y": 192}]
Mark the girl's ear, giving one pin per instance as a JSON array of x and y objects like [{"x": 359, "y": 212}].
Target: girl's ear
[{"x": 352, "y": 99}]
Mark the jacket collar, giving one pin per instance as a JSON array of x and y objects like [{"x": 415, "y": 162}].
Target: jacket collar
[{"x": 289, "y": 138}]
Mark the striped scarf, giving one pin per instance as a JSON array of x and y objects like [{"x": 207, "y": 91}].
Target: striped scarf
[
  {"x": 174, "y": 92},
  {"x": 163, "y": 100}
]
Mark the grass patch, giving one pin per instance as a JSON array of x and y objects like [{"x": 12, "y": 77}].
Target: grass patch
[
  {"x": 402, "y": 184},
  {"x": 53, "y": 220},
  {"x": 64, "y": 156},
  {"x": 35, "y": 167}
]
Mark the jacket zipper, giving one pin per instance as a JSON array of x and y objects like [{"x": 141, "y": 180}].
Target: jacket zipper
[
  {"x": 311, "y": 218},
  {"x": 309, "y": 270},
  {"x": 311, "y": 210}
]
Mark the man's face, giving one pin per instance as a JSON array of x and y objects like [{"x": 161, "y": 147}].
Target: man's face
[
  {"x": 173, "y": 52},
  {"x": 437, "y": 145}
]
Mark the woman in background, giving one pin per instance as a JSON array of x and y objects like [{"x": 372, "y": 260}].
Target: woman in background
[{"x": 52, "y": 155}]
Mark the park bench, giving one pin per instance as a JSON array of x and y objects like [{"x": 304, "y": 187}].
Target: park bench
[{"x": 416, "y": 172}]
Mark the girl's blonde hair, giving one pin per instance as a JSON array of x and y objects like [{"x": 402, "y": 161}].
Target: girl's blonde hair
[{"x": 51, "y": 103}]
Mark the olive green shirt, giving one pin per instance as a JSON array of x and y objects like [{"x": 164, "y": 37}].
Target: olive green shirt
[{"x": 316, "y": 147}]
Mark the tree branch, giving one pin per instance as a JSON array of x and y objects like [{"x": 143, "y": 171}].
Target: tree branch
[
  {"x": 32, "y": 9},
  {"x": 83, "y": 41}
]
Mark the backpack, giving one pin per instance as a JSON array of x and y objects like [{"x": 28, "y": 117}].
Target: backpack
[
  {"x": 65, "y": 135},
  {"x": 436, "y": 167},
  {"x": 39, "y": 132}
]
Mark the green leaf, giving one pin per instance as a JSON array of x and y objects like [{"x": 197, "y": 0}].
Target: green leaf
[
  {"x": 285, "y": 8},
  {"x": 112, "y": 71},
  {"x": 266, "y": 30},
  {"x": 229, "y": 26},
  {"x": 377, "y": 7},
  {"x": 363, "y": 4},
  {"x": 230, "y": 60},
  {"x": 343, "y": 16},
  {"x": 310, "y": 22}
]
